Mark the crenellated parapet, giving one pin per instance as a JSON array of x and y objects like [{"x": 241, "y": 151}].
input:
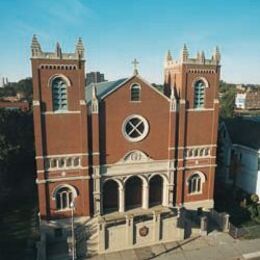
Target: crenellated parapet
[
  {"x": 37, "y": 53},
  {"x": 184, "y": 58}
]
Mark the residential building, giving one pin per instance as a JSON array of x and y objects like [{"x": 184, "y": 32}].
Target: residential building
[
  {"x": 94, "y": 77},
  {"x": 240, "y": 154}
]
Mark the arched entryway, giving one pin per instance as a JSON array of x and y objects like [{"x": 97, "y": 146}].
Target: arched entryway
[
  {"x": 155, "y": 190},
  {"x": 133, "y": 193},
  {"x": 110, "y": 196}
]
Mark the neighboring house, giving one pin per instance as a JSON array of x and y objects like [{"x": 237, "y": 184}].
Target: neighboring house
[
  {"x": 247, "y": 98},
  {"x": 240, "y": 100},
  {"x": 14, "y": 103},
  {"x": 239, "y": 162},
  {"x": 112, "y": 151}
]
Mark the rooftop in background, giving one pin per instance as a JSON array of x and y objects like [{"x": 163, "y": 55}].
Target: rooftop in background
[
  {"x": 94, "y": 77},
  {"x": 244, "y": 132}
]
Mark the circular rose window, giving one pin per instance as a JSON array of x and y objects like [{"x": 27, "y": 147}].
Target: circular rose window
[{"x": 135, "y": 128}]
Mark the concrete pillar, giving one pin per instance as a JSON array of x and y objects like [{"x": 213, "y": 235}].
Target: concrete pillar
[
  {"x": 204, "y": 225},
  {"x": 101, "y": 236},
  {"x": 156, "y": 225},
  {"x": 165, "y": 200},
  {"x": 145, "y": 202},
  {"x": 129, "y": 230},
  {"x": 98, "y": 203},
  {"x": 225, "y": 227},
  {"x": 121, "y": 193}
]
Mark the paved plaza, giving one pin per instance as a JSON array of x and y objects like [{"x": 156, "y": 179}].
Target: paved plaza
[{"x": 215, "y": 246}]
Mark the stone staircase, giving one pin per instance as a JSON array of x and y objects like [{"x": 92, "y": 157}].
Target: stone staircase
[{"x": 87, "y": 239}]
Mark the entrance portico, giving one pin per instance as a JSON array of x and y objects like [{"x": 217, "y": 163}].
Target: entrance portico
[{"x": 134, "y": 191}]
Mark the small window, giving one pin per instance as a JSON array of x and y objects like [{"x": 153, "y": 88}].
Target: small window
[
  {"x": 69, "y": 162},
  {"x": 64, "y": 198},
  {"x": 53, "y": 163},
  {"x": 195, "y": 184},
  {"x": 76, "y": 161},
  {"x": 135, "y": 92},
  {"x": 61, "y": 163}
]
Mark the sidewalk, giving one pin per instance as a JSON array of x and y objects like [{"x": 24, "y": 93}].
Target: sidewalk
[{"x": 215, "y": 246}]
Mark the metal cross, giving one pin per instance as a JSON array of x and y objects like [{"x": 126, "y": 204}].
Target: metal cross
[{"x": 135, "y": 63}]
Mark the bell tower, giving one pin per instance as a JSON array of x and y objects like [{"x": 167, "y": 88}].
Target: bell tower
[
  {"x": 195, "y": 82},
  {"x": 61, "y": 130}
]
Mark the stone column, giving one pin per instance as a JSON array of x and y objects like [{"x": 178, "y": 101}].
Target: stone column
[
  {"x": 225, "y": 227},
  {"x": 129, "y": 230},
  {"x": 145, "y": 202},
  {"x": 121, "y": 193},
  {"x": 204, "y": 225},
  {"x": 165, "y": 201},
  {"x": 98, "y": 205},
  {"x": 101, "y": 236},
  {"x": 156, "y": 225}
]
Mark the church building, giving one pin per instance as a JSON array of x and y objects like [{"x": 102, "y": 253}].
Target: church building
[{"x": 123, "y": 150}]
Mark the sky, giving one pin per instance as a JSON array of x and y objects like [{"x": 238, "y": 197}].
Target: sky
[{"x": 117, "y": 31}]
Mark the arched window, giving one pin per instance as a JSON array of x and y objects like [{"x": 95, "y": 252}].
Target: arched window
[
  {"x": 59, "y": 94},
  {"x": 195, "y": 184},
  {"x": 64, "y": 196},
  {"x": 135, "y": 92},
  {"x": 199, "y": 94}
]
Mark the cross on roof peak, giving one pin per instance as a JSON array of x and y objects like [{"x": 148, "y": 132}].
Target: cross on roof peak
[{"x": 135, "y": 63}]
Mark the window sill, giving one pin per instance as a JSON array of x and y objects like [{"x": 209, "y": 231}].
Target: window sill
[{"x": 63, "y": 210}]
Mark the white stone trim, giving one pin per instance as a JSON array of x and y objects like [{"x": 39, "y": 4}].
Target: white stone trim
[
  {"x": 62, "y": 179},
  {"x": 66, "y": 169},
  {"x": 60, "y": 186},
  {"x": 82, "y": 102},
  {"x": 199, "y": 166},
  {"x": 58, "y": 112},
  {"x": 207, "y": 204},
  {"x": 200, "y": 109},
  {"x": 53, "y": 77},
  {"x": 142, "y": 135},
  {"x": 61, "y": 155},
  {"x": 202, "y": 79},
  {"x": 36, "y": 102}
]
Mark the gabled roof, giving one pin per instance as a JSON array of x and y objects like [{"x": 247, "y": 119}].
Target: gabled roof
[
  {"x": 103, "y": 89},
  {"x": 244, "y": 132}
]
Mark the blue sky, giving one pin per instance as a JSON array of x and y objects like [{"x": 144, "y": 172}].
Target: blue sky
[{"x": 117, "y": 31}]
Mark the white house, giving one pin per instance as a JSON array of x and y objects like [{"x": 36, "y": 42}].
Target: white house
[{"x": 239, "y": 158}]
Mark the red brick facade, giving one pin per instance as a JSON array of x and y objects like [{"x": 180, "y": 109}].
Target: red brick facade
[{"x": 95, "y": 135}]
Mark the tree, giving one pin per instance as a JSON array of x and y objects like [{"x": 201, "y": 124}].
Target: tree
[
  {"x": 227, "y": 99},
  {"x": 16, "y": 147}
]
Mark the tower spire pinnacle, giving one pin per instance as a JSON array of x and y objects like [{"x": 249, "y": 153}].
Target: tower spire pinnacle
[
  {"x": 168, "y": 56},
  {"x": 35, "y": 47},
  {"x": 184, "y": 53},
  {"x": 216, "y": 54},
  {"x": 58, "y": 50},
  {"x": 80, "y": 50}
]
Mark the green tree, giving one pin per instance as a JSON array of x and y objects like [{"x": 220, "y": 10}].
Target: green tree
[{"x": 227, "y": 94}]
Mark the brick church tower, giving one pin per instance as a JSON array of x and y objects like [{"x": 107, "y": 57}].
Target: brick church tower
[
  {"x": 195, "y": 82},
  {"x": 122, "y": 156},
  {"x": 60, "y": 128}
]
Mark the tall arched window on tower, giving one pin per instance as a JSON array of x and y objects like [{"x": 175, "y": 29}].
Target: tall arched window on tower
[
  {"x": 135, "y": 92},
  {"x": 59, "y": 94},
  {"x": 199, "y": 94}
]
